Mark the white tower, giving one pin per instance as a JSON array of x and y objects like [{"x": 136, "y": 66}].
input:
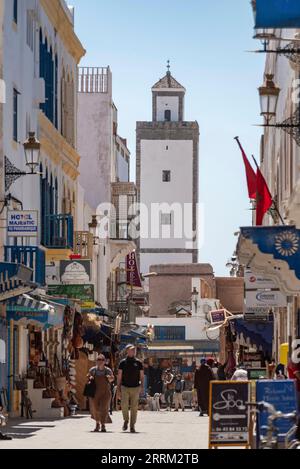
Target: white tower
[{"x": 167, "y": 179}]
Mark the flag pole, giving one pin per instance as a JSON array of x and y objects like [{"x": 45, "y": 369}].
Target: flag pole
[{"x": 274, "y": 203}]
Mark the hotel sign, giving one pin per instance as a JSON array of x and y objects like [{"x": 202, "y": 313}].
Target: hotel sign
[{"x": 22, "y": 223}]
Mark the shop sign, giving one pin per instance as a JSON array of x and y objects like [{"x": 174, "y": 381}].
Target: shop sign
[
  {"x": 257, "y": 373},
  {"x": 218, "y": 316},
  {"x": 229, "y": 415},
  {"x": 75, "y": 272},
  {"x": 265, "y": 298},
  {"x": 22, "y": 223},
  {"x": 258, "y": 282},
  {"x": 133, "y": 274},
  {"x": 282, "y": 395},
  {"x": 257, "y": 314},
  {"x": 82, "y": 293},
  {"x": 19, "y": 313}
]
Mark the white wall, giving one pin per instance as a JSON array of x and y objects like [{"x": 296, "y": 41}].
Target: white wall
[
  {"x": 179, "y": 160},
  {"x": 170, "y": 103},
  {"x": 194, "y": 326},
  {"x": 94, "y": 144},
  {"x": 122, "y": 168}
]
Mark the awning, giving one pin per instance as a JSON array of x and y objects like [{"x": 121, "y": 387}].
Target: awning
[
  {"x": 29, "y": 310},
  {"x": 15, "y": 279},
  {"x": 277, "y": 14},
  {"x": 273, "y": 251},
  {"x": 257, "y": 334}
]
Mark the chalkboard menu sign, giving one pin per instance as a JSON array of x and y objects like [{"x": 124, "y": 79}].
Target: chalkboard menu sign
[
  {"x": 229, "y": 415},
  {"x": 282, "y": 395}
]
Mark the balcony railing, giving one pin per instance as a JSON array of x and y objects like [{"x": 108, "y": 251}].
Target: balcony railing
[
  {"x": 83, "y": 244},
  {"x": 58, "y": 232},
  {"x": 28, "y": 256}
]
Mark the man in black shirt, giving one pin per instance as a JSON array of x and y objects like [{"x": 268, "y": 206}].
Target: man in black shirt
[{"x": 130, "y": 383}]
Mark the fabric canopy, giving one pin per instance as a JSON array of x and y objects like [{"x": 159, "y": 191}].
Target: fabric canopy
[
  {"x": 260, "y": 334},
  {"x": 277, "y": 14}
]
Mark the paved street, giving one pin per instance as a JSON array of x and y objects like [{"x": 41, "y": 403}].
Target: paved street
[{"x": 155, "y": 431}]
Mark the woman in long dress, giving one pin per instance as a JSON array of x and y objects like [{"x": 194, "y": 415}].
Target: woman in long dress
[{"x": 99, "y": 405}]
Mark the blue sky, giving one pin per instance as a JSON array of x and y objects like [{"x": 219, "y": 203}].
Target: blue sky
[{"x": 206, "y": 43}]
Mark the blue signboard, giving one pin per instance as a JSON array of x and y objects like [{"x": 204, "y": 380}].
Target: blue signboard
[
  {"x": 277, "y": 14},
  {"x": 282, "y": 395}
]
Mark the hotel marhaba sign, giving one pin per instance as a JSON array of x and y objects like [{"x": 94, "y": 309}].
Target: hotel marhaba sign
[{"x": 22, "y": 223}]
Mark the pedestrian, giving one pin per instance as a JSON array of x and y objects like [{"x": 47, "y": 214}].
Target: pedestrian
[
  {"x": 221, "y": 375},
  {"x": 215, "y": 368},
  {"x": 130, "y": 384},
  {"x": 240, "y": 374},
  {"x": 203, "y": 376},
  {"x": 3, "y": 421},
  {"x": 100, "y": 403},
  {"x": 178, "y": 394},
  {"x": 169, "y": 388}
]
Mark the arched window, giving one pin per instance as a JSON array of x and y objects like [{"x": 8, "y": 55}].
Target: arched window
[{"x": 167, "y": 115}]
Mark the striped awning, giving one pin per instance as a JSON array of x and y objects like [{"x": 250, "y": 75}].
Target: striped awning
[{"x": 32, "y": 303}]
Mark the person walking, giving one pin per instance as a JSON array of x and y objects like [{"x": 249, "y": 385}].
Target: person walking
[
  {"x": 203, "y": 376},
  {"x": 240, "y": 374},
  {"x": 130, "y": 383},
  {"x": 169, "y": 389},
  {"x": 100, "y": 403},
  {"x": 178, "y": 395}
]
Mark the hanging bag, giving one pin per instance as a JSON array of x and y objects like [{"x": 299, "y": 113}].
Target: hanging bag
[{"x": 90, "y": 387}]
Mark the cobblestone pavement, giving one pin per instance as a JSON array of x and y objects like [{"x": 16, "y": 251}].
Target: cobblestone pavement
[{"x": 155, "y": 430}]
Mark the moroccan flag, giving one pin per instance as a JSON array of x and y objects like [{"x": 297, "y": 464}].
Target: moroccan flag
[
  {"x": 250, "y": 173},
  {"x": 264, "y": 198}
]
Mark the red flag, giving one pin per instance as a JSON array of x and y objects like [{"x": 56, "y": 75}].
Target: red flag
[
  {"x": 264, "y": 198},
  {"x": 250, "y": 173}
]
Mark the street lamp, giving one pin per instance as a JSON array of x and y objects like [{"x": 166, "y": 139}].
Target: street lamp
[
  {"x": 93, "y": 225},
  {"x": 269, "y": 94},
  {"x": 32, "y": 148}
]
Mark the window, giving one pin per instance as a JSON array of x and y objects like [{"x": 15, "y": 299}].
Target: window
[
  {"x": 166, "y": 333},
  {"x": 167, "y": 115},
  {"x": 166, "y": 219},
  {"x": 30, "y": 30},
  {"x": 15, "y": 11},
  {"x": 166, "y": 176},
  {"x": 15, "y": 115}
]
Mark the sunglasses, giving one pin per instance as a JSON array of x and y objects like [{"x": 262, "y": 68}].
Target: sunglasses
[{"x": 100, "y": 360}]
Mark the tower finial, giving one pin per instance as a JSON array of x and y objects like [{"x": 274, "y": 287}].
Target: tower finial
[{"x": 168, "y": 67}]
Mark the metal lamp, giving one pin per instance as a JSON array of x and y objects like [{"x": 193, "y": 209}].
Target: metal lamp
[
  {"x": 32, "y": 149},
  {"x": 269, "y": 94}
]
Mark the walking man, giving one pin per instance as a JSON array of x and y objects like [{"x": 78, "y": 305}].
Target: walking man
[
  {"x": 169, "y": 389},
  {"x": 178, "y": 396},
  {"x": 130, "y": 383}
]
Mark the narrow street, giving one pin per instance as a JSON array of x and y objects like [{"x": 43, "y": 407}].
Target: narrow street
[{"x": 155, "y": 430}]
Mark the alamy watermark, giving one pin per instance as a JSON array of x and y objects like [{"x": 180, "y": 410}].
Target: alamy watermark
[{"x": 155, "y": 221}]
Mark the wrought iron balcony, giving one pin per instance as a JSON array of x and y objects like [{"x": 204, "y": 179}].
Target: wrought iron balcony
[
  {"x": 31, "y": 257},
  {"x": 58, "y": 232}
]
